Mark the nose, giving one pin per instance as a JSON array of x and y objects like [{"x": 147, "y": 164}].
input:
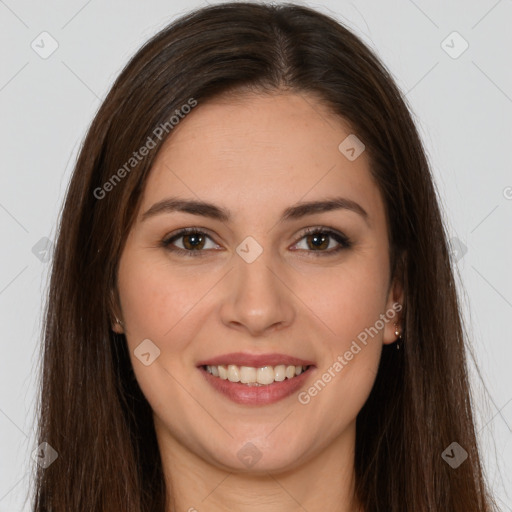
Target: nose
[{"x": 257, "y": 298}]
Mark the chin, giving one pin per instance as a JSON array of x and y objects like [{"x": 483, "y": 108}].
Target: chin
[{"x": 258, "y": 456}]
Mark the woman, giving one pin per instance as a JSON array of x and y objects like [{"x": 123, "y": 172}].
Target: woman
[{"x": 252, "y": 304}]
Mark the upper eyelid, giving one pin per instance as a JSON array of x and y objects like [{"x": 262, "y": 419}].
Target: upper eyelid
[{"x": 187, "y": 231}]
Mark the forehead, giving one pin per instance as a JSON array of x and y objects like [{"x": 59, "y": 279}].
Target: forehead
[{"x": 261, "y": 152}]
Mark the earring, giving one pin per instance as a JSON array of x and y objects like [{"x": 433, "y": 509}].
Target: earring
[
  {"x": 397, "y": 333},
  {"x": 118, "y": 322}
]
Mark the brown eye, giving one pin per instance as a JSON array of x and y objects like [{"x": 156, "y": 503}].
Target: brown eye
[
  {"x": 318, "y": 241},
  {"x": 322, "y": 242},
  {"x": 193, "y": 243}
]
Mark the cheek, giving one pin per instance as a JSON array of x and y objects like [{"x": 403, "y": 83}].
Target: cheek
[
  {"x": 145, "y": 298},
  {"x": 154, "y": 303},
  {"x": 155, "y": 297},
  {"x": 349, "y": 302},
  {"x": 348, "y": 299}
]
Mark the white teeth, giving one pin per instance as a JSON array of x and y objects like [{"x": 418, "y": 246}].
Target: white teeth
[
  {"x": 265, "y": 375},
  {"x": 290, "y": 372},
  {"x": 247, "y": 374},
  {"x": 223, "y": 372},
  {"x": 233, "y": 373},
  {"x": 255, "y": 376},
  {"x": 280, "y": 373}
]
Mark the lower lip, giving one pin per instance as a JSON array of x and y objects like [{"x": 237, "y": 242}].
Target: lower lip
[{"x": 257, "y": 395}]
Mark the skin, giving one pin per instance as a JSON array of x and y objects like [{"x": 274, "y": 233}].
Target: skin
[{"x": 257, "y": 156}]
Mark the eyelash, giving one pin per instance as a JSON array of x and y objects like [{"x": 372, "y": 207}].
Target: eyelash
[{"x": 343, "y": 240}]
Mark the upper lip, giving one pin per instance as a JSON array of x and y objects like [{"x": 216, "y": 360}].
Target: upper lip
[{"x": 255, "y": 360}]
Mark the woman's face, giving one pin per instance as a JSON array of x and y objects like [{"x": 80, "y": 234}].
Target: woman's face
[{"x": 251, "y": 291}]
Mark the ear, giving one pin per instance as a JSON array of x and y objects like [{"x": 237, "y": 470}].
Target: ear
[
  {"x": 394, "y": 312},
  {"x": 115, "y": 315},
  {"x": 117, "y": 326}
]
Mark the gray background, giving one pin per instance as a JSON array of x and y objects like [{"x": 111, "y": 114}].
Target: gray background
[{"x": 463, "y": 107}]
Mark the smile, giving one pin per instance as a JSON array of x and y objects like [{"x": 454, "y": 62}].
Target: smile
[{"x": 253, "y": 376}]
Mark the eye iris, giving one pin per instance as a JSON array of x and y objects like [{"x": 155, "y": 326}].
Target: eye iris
[
  {"x": 319, "y": 241},
  {"x": 197, "y": 241}
]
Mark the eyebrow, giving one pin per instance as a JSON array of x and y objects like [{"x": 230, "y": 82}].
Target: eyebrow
[{"x": 297, "y": 211}]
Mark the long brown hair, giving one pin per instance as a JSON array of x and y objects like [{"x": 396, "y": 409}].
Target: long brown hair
[{"x": 91, "y": 409}]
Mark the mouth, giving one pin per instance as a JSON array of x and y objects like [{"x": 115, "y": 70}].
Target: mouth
[
  {"x": 252, "y": 376},
  {"x": 256, "y": 380}
]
